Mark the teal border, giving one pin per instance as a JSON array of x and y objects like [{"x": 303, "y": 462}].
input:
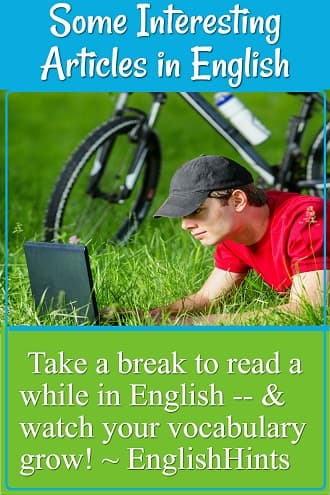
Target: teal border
[
  {"x": 18, "y": 328},
  {"x": 325, "y": 298},
  {"x": 6, "y": 218},
  {"x": 184, "y": 489}
]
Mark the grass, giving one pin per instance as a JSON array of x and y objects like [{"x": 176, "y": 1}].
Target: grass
[
  {"x": 161, "y": 263},
  {"x": 151, "y": 271}
]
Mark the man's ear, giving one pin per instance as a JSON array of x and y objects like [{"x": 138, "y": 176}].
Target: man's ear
[{"x": 239, "y": 200}]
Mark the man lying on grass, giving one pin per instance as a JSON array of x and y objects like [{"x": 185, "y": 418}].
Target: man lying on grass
[{"x": 277, "y": 234}]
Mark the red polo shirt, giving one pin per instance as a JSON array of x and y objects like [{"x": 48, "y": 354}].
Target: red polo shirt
[{"x": 293, "y": 242}]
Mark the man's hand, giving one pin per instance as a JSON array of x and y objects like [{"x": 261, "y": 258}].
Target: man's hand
[{"x": 218, "y": 285}]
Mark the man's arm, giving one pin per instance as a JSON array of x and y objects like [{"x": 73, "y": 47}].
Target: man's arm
[
  {"x": 307, "y": 287},
  {"x": 217, "y": 285}
]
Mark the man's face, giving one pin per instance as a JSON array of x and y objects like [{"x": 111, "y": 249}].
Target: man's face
[{"x": 212, "y": 222}]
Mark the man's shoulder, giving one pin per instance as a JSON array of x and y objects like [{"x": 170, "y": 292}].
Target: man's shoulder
[
  {"x": 293, "y": 201},
  {"x": 295, "y": 210},
  {"x": 283, "y": 196}
]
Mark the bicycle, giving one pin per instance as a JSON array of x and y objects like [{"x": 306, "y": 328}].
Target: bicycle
[{"x": 98, "y": 179}]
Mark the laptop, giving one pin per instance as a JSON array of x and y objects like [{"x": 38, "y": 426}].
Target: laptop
[{"x": 61, "y": 279}]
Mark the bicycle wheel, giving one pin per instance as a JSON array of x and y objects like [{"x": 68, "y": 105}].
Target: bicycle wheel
[
  {"x": 85, "y": 203},
  {"x": 315, "y": 161}
]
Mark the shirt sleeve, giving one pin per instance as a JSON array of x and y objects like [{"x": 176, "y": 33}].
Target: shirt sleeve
[
  {"x": 226, "y": 260},
  {"x": 306, "y": 240}
]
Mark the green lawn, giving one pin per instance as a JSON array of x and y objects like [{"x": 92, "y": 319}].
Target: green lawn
[{"x": 161, "y": 263}]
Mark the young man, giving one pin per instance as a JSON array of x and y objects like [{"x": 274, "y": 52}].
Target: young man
[{"x": 278, "y": 234}]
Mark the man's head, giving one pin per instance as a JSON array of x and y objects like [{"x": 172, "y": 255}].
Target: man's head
[
  {"x": 216, "y": 199},
  {"x": 194, "y": 181}
]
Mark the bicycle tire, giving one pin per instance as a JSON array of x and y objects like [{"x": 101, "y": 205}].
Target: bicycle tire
[
  {"x": 315, "y": 160},
  {"x": 73, "y": 215}
]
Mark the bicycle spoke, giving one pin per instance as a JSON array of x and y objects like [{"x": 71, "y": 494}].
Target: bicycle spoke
[
  {"x": 89, "y": 220},
  {"x": 95, "y": 210}
]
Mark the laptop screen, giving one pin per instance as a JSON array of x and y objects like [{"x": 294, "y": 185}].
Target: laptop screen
[{"x": 61, "y": 279}]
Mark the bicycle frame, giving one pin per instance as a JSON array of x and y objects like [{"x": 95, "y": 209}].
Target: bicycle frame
[
  {"x": 122, "y": 160},
  {"x": 232, "y": 135},
  {"x": 275, "y": 179}
]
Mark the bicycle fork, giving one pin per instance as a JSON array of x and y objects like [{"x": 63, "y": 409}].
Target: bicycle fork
[
  {"x": 294, "y": 155},
  {"x": 139, "y": 135}
]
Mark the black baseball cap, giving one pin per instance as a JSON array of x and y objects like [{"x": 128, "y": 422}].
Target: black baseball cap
[{"x": 193, "y": 181}]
